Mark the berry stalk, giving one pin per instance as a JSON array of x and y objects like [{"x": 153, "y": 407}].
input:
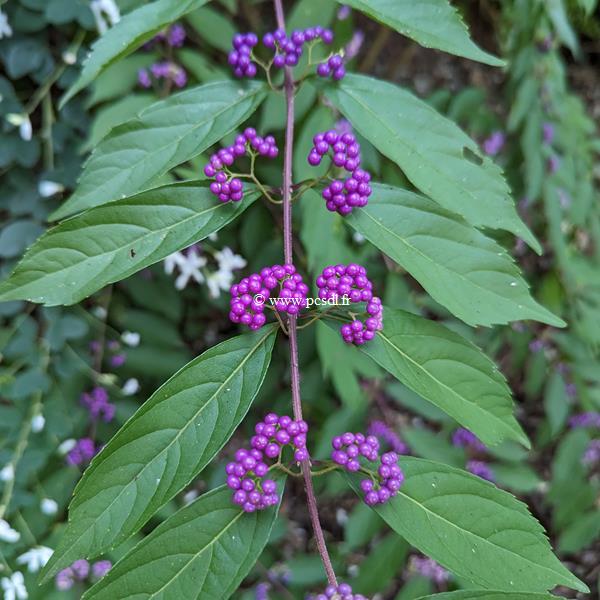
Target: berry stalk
[{"x": 292, "y": 331}]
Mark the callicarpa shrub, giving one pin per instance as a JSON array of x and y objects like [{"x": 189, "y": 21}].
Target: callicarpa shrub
[{"x": 120, "y": 220}]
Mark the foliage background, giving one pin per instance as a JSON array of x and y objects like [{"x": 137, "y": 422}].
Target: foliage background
[{"x": 46, "y": 362}]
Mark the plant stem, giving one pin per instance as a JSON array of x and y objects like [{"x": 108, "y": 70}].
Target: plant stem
[
  {"x": 23, "y": 439},
  {"x": 292, "y": 331}
]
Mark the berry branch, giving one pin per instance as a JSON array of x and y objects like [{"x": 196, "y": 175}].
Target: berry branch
[{"x": 292, "y": 332}]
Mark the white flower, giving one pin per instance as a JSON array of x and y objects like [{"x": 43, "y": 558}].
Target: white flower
[
  {"x": 131, "y": 387},
  {"x": 190, "y": 496},
  {"x": 66, "y": 446},
  {"x": 49, "y": 188},
  {"x": 131, "y": 338},
  {"x": 7, "y": 533},
  {"x": 23, "y": 123},
  {"x": 49, "y": 506},
  {"x": 36, "y": 558},
  {"x": 37, "y": 423},
  {"x": 177, "y": 259},
  {"x": 14, "y": 587},
  {"x": 100, "y": 312},
  {"x": 8, "y": 473},
  {"x": 190, "y": 269},
  {"x": 228, "y": 261},
  {"x": 69, "y": 58},
  {"x": 358, "y": 238},
  {"x": 5, "y": 28},
  {"x": 213, "y": 237},
  {"x": 217, "y": 281},
  {"x": 102, "y": 9}
]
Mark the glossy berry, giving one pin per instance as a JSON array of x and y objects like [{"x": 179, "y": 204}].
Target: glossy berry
[
  {"x": 240, "y": 57},
  {"x": 348, "y": 451},
  {"x": 350, "y": 281},
  {"x": 342, "y": 196},
  {"x": 246, "y": 476},
  {"x": 341, "y": 592},
  {"x": 226, "y": 187},
  {"x": 250, "y": 296},
  {"x": 332, "y": 67}
]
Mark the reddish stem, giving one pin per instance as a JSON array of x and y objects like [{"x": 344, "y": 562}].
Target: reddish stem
[{"x": 292, "y": 331}]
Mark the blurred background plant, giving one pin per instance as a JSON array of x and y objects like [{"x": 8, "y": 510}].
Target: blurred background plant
[{"x": 69, "y": 377}]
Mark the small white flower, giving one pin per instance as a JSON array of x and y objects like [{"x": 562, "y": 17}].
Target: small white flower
[
  {"x": 5, "y": 28},
  {"x": 66, "y": 446},
  {"x": 21, "y": 120},
  {"x": 213, "y": 237},
  {"x": 341, "y": 516},
  {"x": 38, "y": 423},
  {"x": 49, "y": 506},
  {"x": 14, "y": 587},
  {"x": 191, "y": 269},
  {"x": 358, "y": 237},
  {"x": 49, "y": 188},
  {"x": 7, "y": 473},
  {"x": 228, "y": 261},
  {"x": 131, "y": 338},
  {"x": 7, "y": 533},
  {"x": 69, "y": 58},
  {"x": 36, "y": 558},
  {"x": 217, "y": 281},
  {"x": 25, "y": 130},
  {"x": 190, "y": 496},
  {"x": 131, "y": 387},
  {"x": 102, "y": 9},
  {"x": 177, "y": 259},
  {"x": 100, "y": 312}
]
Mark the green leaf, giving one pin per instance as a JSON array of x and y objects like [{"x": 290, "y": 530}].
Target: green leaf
[
  {"x": 431, "y": 23},
  {"x": 128, "y": 35},
  {"x": 556, "y": 402},
  {"x": 448, "y": 371},
  {"x": 161, "y": 137},
  {"x": 111, "y": 242},
  {"x": 473, "y": 529},
  {"x": 214, "y": 27},
  {"x": 468, "y": 273},
  {"x": 486, "y": 595},
  {"x": 434, "y": 153},
  {"x": 168, "y": 441},
  {"x": 203, "y": 552}
]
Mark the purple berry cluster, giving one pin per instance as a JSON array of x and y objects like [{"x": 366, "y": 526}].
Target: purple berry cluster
[
  {"x": 246, "y": 474},
  {"x": 341, "y": 592},
  {"x": 591, "y": 456},
  {"x": 589, "y": 420},
  {"x": 167, "y": 70},
  {"x": 351, "y": 281},
  {"x": 463, "y": 438},
  {"x": 288, "y": 50},
  {"x": 332, "y": 67},
  {"x": 81, "y": 570},
  {"x": 174, "y": 36},
  {"x": 481, "y": 469},
  {"x": 240, "y": 57},
  {"x": 350, "y": 447},
  {"x": 225, "y": 187},
  {"x": 429, "y": 568},
  {"x": 82, "y": 453},
  {"x": 354, "y": 191},
  {"x": 98, "y": 405},
  {"x": 388, "y": 435},
  {"x": 248, "y": 297}
]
